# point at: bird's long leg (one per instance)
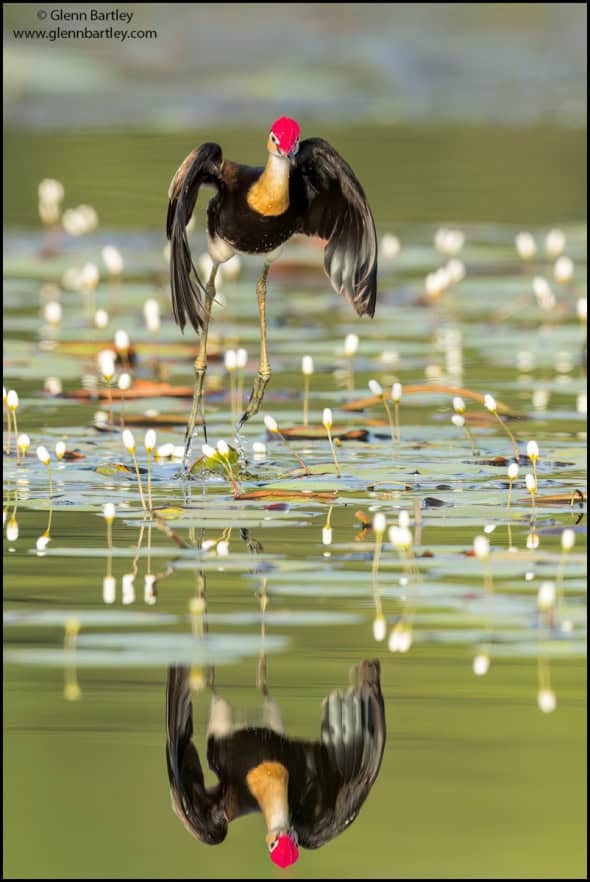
(264, 371)
(197, 417)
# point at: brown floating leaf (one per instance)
(363, 518)
(324, 496)
(575, 497)
(140, 389)
(155, 419)
(362, 403)
(73, 454)
(311, 433)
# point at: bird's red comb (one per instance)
(285, 851)
(287, 131)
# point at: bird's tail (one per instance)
(187, 288)
(201, 166)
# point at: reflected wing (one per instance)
(352, 744)
(339, 212)
(202, 166)
(200, 810)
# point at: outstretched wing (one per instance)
(339, 212)
(352, 744)
(202, 166)
(200, 810)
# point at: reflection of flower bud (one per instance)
(12, 530)
(546, 596)
(379, 627)
(307, 365)
(568, 539)
(113, 260)
(109, 587)
(351, 344)
(379, 523)
(327, 536)
(481, 547)
(481, 664)
(546, 700)
(554, 243)
(513, 471)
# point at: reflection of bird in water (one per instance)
(308, 791)
(304, 188)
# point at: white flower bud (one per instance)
(106, 364)
(60, 449)
(151, 314)
(530, 482)
(458, 420)
(351, 345)
(389, 246)
(150, 440)
(490, 403)
(124, 382)
(101, 319)
(208, 451)
(403, 518)
(379, 523)
(12, 400)
(375, 387)
(113, 260)
(53, 386)
(23, 442)
(456, 270)
(532, 541)
(568, 539)
(259, 448)
(513, 471)
(89, 276)
(582, 308)
(43, 455)
(563, 271)
(42, 543)
(271, 423)
(532, 450)
(554, 243)
(458, 404)
(53, 313)
(327, 418)
(327, 536)
(223, 448)
(222, 548)
(230, 360)
(165, 451)
(128, 440)
(108, 512)
(307, 365)
(396, 392)
(525, 246)
(121, 340)
(50, 190)
(241, 358)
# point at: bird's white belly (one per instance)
(220, 251)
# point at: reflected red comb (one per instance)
(287, 131)
(285, 852)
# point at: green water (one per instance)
(476, 782)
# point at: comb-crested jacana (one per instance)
(304, 188)
(308, 791)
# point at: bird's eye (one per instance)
(274, 138)
(273, 845)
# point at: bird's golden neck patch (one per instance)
(269, 785)
(270, 194)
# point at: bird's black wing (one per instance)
(352, 744)
(202, 166)
(337, 210)
(200, 810)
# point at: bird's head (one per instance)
(283, 139)
(283, 848)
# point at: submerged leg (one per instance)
(197, 417)
(263, 375)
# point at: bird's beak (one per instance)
(292, 156)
